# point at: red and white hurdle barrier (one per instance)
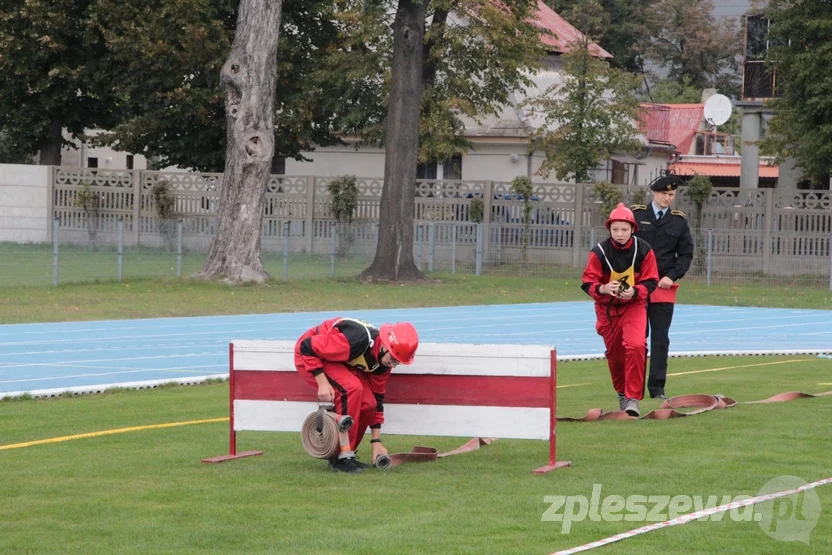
(495, 391)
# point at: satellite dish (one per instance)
(718, 109)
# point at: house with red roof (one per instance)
(694, 147)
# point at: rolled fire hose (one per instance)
(700, 403)
(319, 434)
(325, 444)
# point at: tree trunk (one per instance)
(248, 78)
(394, 252)
(50, 147)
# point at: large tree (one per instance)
(50, 57)
(248, 78)
(592, 113)
(692, 46)
(801, 54)
(165, 57)
(465, 59)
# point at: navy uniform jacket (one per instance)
(670, 239)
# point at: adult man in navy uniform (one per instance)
(668, 233)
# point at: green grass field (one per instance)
(148, 492)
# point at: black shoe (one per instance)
(348, 465)
(361, 464)
(658, 395)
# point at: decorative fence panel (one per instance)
(767, 230)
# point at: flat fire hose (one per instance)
(325, 444)
(699, 402)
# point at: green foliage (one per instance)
(165, 202)
(801, 53)
(698, 190)
(12, 152)
(610, 197)
(163, 199)
(334, 63)
(51, 58)
(639, 196)
(343, 197)
(343, 193)
(89, 201)
(675, 91)
(592, 113)
(623, 39)
(476, 210)
(522, 186)
(692, 46)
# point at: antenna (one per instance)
(718, 109)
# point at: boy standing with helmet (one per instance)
(349, 362)
(668, 233)
(619, 276)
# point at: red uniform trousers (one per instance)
(622, 327)
(353, 396)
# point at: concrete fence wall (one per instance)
(25, 203)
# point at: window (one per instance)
(450, 169)
(129, 161)
(278, 165)
(756, 38)
(620, 173)
(92, 162)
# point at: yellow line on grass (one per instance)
(742, 366)
(710, 370)
(109, 433)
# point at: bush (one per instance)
(609, 196)
(343, 193)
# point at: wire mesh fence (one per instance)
(103, 252)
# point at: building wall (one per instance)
(24, 203)
(108, 159)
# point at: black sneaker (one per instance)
(361, 464)
(658, 395)
(348, 465)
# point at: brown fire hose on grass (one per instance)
(321, 437)
(699, 402)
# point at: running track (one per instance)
(46, 359)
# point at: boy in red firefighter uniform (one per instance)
(349, 362)
(619, 276)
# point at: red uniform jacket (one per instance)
(352, 343)
(608, 261)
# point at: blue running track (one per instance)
(50, 358)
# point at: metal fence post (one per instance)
(286, 229)
(120, 248)
(453, 253)
(179, 247)
(591, 237)
(419, 247)
(830, 263)
(334, 241)
(56, 232)
(431, 245)
(478, 266)
(708, 257)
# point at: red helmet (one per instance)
(622, 214)
(400, 340)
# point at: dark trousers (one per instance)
(659, 317)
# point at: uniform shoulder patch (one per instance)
(638, 207)
(678, 213)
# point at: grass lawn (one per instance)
(185, 297)
(147, 491)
